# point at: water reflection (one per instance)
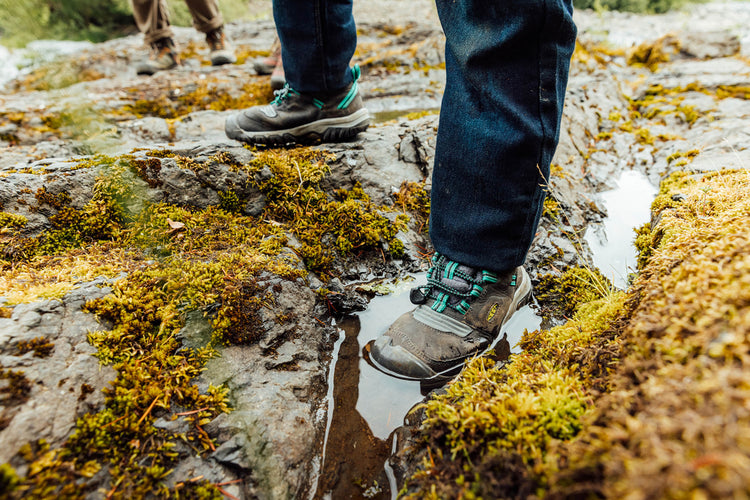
(369, 405)
(385, 399)
(611, 243)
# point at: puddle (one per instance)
(385, 116)
(368, 405)
(628, 207)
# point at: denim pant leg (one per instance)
(507, 67)
(318, 39)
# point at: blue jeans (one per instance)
(507, 67)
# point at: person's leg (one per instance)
(318, 39)
(320, 101)
(206, 15)
(507, 68)
(152, 19)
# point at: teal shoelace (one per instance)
(446, 295)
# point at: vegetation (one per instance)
(177, 259)
(646, 6)
(97, 20)
(641, 395)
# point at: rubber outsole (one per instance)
(311, 133)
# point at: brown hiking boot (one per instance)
(163, 56)
(459, 314)
(221, 51)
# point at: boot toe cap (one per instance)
(398, 361)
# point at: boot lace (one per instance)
(451, 284)
(282, 94)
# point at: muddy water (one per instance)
(367, 405)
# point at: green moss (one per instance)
(644, 244)
(230, 202)
(8, 478)
(59, 74)
(413, 199)
(212, 260)
(653, 436)
(599, 407)
(494, 427)
(345, 224)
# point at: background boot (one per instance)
(163, 56)
(221, 51)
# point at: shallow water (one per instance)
(628, 207)
(385, 116)
(369, 405)
(14, 62)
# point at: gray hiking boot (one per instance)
(298, 118)
(163, 57)
(221, 51)
(459, 315)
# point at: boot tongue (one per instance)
(452, 276)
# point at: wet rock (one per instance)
(64, 384)
(709, 44)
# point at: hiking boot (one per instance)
(163, 56)
(459, 314)
(278, 79)
(221, 51)
(266, 65)
(299, 118)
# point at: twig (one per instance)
(226, 494)
(114, 421)
(208, 438)
(228, 482)
(148, 410)
(191, 412)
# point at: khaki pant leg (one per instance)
(206, 15)
(152, 19)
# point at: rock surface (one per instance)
(692, 110)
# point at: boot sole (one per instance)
(326, 130)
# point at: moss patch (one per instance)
(642, 395)
(176, 260)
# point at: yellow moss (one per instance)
(60, 74)
(494, 426)
(651, 54)
(597, 53)
(654, 435)
(207, 95)
(562, 295)
(177, 259)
